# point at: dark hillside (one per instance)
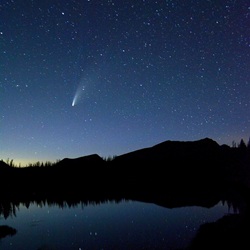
(201, 166)
(175, 163)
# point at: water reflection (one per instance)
(234, 201)
(113, 223)
(229, 231)
(109, 225)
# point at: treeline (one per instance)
(41, 164)
(35, 164)
(242, 144)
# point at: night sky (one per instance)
(80, 77)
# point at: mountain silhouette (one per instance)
(178, 162)
(170, 150)
(183, 166)
(92, 160)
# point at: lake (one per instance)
(109, 225)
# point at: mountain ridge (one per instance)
(167, 144)
(182, 166)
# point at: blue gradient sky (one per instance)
(144, 72)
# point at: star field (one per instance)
(143, 72)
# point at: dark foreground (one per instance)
(170, 174)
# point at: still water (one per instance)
(110, 225)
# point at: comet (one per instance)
(78, 94)
(74, 100)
